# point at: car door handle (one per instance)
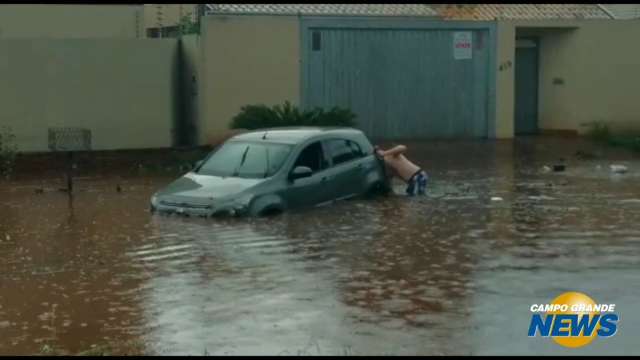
(326, 178)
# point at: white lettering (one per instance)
(588, 308)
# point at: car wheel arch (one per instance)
(270, 203)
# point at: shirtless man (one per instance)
(398, 165)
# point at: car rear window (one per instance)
(246, 160)
(342, 150)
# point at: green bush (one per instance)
(253, 117)
(334, 117)
(8, 151)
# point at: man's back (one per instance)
(401, 166)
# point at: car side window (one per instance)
(342, 151)
(312, 157)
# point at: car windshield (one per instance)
(246, 160)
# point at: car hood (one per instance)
(206, 187)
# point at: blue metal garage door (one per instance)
(401, 83)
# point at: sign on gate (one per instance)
(462, 45)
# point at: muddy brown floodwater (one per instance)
(451, 273)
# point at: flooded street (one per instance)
(451, 273)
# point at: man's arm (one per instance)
(397, 150)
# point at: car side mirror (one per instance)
(300, 172)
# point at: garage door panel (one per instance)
(401, 83)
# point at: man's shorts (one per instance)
(418, 183)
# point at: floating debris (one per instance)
(559, 167)
(618, 169)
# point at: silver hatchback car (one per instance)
(272, 170)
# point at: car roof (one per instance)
(293, 135)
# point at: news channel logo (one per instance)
(573, 320)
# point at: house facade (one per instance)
(407, 70)
(425, 71)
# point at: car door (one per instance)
(347, 168)
(309, 191)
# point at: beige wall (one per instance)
(121, 89)
(246, 60)
(71, 21)
(599, 64)
(156, 15)
(504, 80)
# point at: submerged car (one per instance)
(272, 170)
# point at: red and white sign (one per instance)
(462, 45)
